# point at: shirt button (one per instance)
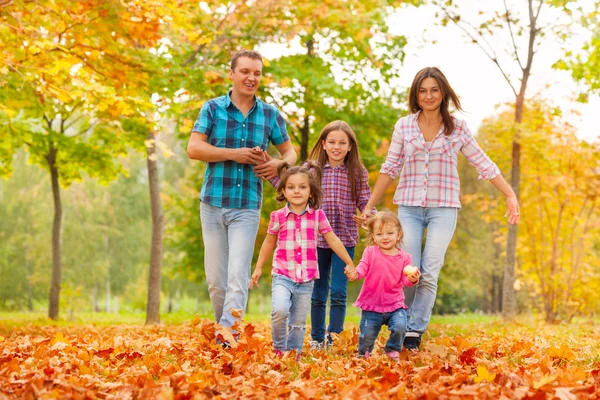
(238, 185)
(242, 140)
(243, 125)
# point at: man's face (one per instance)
(246, 76)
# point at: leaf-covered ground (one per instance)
(488, 361)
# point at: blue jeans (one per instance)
(229, 235)
(370, 325)
(291, 302)
(440, 223)
(329, 264)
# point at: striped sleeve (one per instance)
(395, 157)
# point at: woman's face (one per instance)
(430, 95)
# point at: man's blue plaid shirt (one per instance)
(229, 184)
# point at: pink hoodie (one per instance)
(384, 279)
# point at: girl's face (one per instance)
(297, 190)
(430, 95)
(386, 236)
(336, 145)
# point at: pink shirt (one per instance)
(384, 279)
(429, 171)
(296, 252)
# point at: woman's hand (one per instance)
(364, 217)
(513, 211)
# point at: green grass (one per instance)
(13, 319)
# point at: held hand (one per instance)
(350, 272)
(364, 217)
(268, 168)
(246, 155)
(255, 277)
(513, 211)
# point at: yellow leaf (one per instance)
(1, 338)
(546, 379)
(564, 352)
(483, 375)
(58, 338)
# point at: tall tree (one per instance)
(561, 190)
(525, 34)
(72, 71)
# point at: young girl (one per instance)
(294, 229)
(386, 270)
(345, 186)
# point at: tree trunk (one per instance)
(56, 228)
(153, 305)
(95, 296)
(509, 300)
(108, 294)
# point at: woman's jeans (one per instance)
(329, 264)
(229, 235)
(440, 223)
(370, 325)
(291, 302)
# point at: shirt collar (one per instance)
(287, 211)
(327, 165)
(228, 102)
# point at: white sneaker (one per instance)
(314, 345)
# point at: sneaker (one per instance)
(412, 341)
(315, 345)
(394, 355)
(278, 353)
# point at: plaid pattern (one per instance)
(296, 252)
(229, 184)
(338, 204)
(429, 171)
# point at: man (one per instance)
(231, 134)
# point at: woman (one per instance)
(424, 151)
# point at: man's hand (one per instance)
(245, 155)
(255, 277)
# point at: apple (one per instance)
(410, 270)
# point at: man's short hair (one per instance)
(255, 55)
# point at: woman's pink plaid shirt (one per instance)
(429, 171)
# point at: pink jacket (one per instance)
(384, 279)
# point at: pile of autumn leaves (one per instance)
(184, 362)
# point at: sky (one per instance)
(477, 80)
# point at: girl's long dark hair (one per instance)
(354, 164)
(447, 93)
(312, 170)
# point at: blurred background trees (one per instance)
(98, 101)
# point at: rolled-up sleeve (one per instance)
(395, 157)
(486, 168)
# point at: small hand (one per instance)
(267, 169)
(255, 277)
(351, 273)
(414, 278)
(513, 210)
(363, 218)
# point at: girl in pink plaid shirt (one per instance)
(294, 230)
